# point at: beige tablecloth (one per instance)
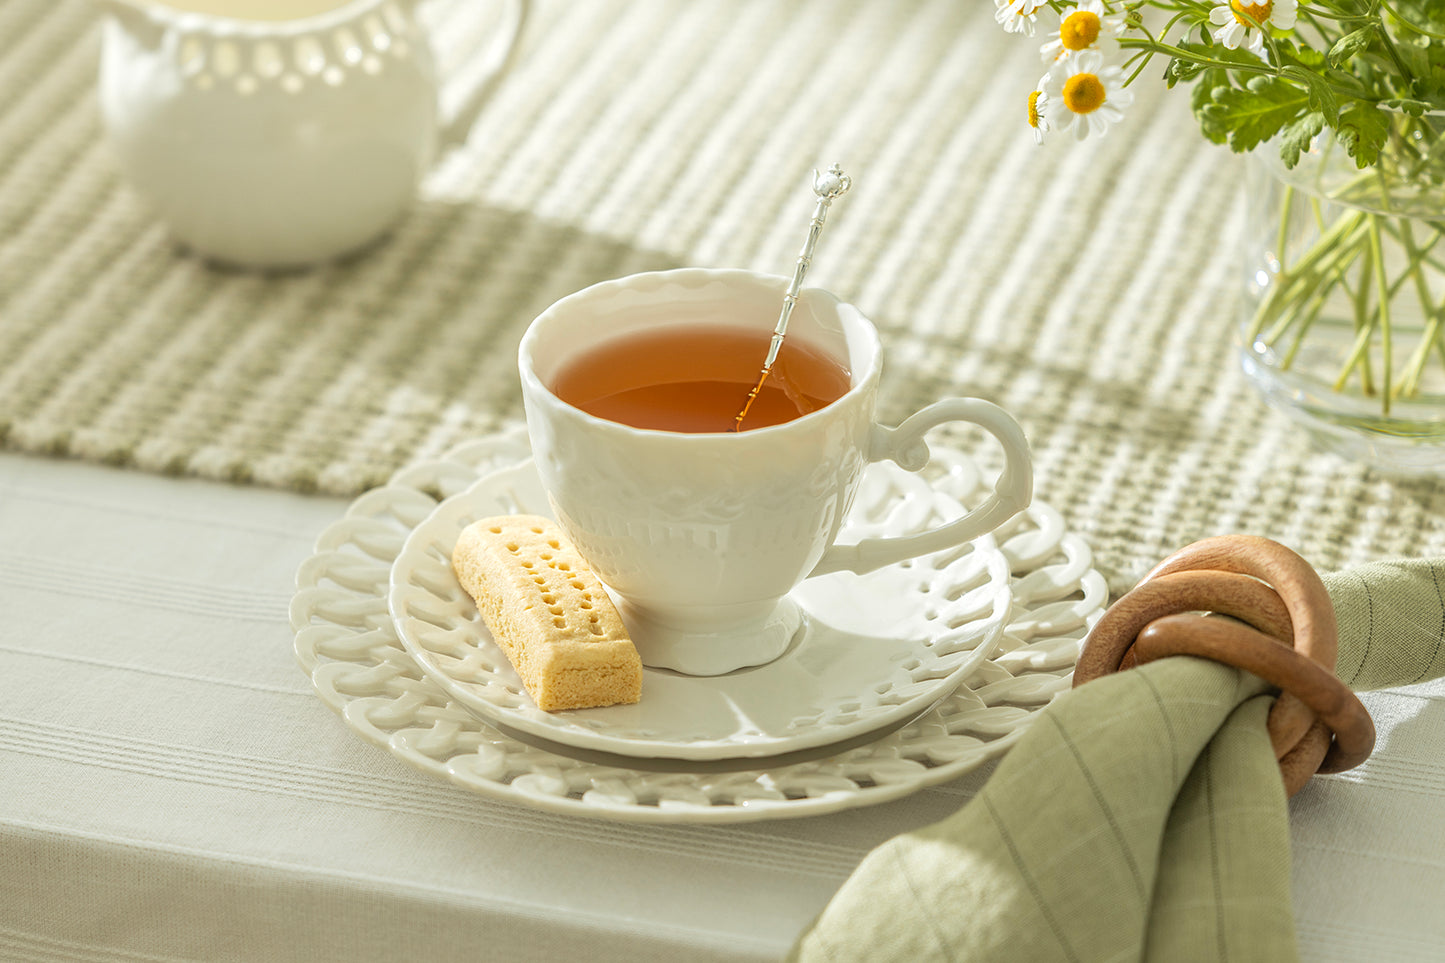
(1092, 289)
(169, 787)
(172, 790)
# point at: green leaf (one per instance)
(1415, 108)
(1362, 128)
(1296, 136)
(1305, 56)
(1420, 15)
(1415, 57)
(1203, 95)
(1350, 44)
(1322, 95)
(1250, 115)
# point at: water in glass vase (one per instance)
(1344, 325)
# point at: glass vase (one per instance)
(1344, 322)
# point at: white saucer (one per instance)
(347, 645)
(876, 650)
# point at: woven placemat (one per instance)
(1091, 289)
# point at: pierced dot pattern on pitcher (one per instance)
(247, 63)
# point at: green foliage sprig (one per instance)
(1279, 68)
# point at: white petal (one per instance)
(1088, 62)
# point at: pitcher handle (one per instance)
(139, 21)
(493, 67)
(905, 445)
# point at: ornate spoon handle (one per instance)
(829, 186)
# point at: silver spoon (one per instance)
(829, 186)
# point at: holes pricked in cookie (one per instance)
(534, 593)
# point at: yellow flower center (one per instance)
(1083, 93)
(1079, 30)
(1034, 108)
(1260, 12)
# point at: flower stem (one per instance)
(1415, 367)
(1382, 283)
(1333, 265)
(1312, 312)
(1410, 381)
(1299, 279)
(1282, 237)
(1364, 327)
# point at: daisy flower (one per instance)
(1017, 16)
(1039, 112)
(1236, 19)
(1085, 96)
(1086, 26)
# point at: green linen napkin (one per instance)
(1141, 816)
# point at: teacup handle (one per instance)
(456, 130)
(905, 446)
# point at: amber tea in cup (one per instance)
(694, 379)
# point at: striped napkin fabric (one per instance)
(1141, 817)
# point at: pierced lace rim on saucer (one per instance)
(345, 643)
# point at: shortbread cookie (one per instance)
(548, 612)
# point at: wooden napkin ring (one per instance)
(1221, 640)
(1289, 638)
(1109, 647)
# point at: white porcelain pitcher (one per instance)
(278, 133)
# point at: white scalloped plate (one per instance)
(875, 649)
(347, 644)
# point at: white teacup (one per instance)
(702, 536)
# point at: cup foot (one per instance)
(712, 650)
